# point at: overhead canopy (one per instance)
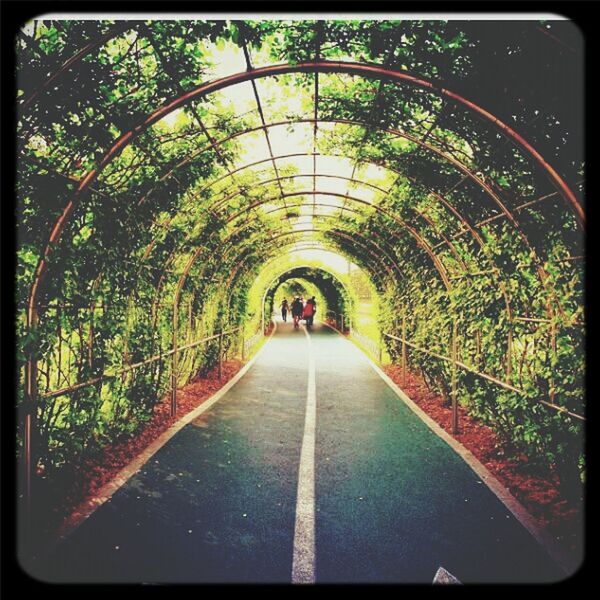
(163, 160)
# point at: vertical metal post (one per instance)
(509, 346)
(404, 365)
(262, 318)
(30, 419)
(243, 347)
(174, 361)
(342, 322)
(221, 354)
(454, 377)
(553, 348)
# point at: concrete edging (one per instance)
(88, 507)
(553, 549)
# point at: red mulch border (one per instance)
(98, 471)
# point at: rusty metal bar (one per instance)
(174, 365)
(509, 347)
(259, 105)
(220, 355)
(137, 365)
(503, 216)
(30, 417)
(404, 349)
(485, 376)
(454, 376)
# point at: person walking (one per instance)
(284, 310)
(297, 309)
(310, 308)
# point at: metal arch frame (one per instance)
(366, 203)
(469, 228)
(196, 254)
(378, 273)
(118, 29)
(307, 266)
(468, 173)
(446, 204)
(506, 213)
(300, 121)
(420, 241)
(321, 245)
(377, 208)
(455, 162)
(377, 258)
(194, 257)
(361, 69)
(485, 187)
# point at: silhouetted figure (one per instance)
(297, 309)
(284, 309)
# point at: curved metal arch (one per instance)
(427, 219)
(468, 173)
(376, 71)
(446, 204)
(542, 276)
(198, 251)
(376, 257)
(379, 271)
(437, 264)
(116, 30)
(437, 195)
(191, 260)
(420, 241)
(364, 69)
(485, 187)
(321, 245)
(307, 266)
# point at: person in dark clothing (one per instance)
(297, 309)
(284, 309)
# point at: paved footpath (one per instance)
(309, 469)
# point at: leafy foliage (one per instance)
(451, 222)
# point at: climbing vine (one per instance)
(452, 219)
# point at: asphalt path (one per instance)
(309, 469)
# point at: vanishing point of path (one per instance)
(310, 468)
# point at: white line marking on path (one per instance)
(303, 564)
